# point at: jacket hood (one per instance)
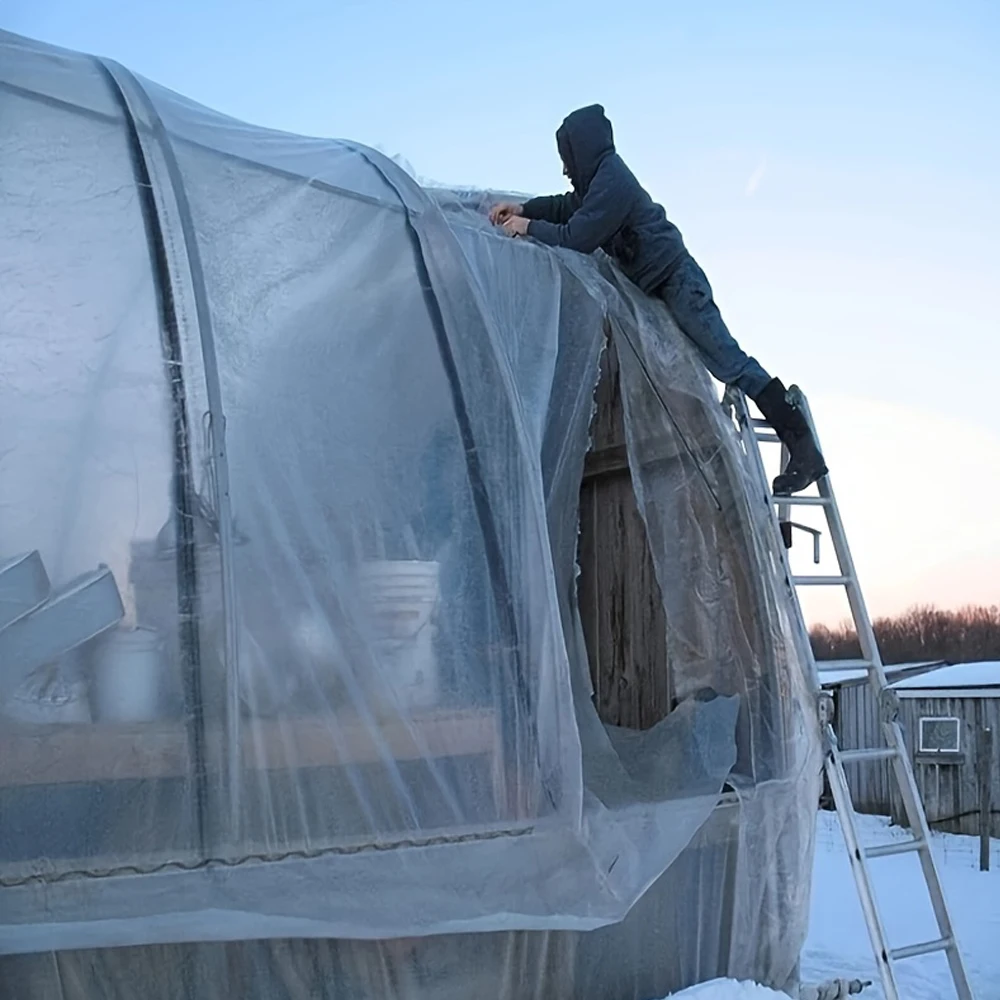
(584, 139)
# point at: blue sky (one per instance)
(834, 168)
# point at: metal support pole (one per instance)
(984, 768)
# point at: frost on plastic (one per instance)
(293, 682)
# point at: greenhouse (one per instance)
(304, 588)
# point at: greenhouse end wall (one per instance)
(293, 683)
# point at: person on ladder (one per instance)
(608, 208)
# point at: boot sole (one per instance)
(810, 480)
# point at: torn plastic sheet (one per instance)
(327, 430)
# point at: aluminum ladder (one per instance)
(753, 433)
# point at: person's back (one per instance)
(645, 244)
(609, 209)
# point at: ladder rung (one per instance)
(898, 847)
(795, 500)
(821, 581)
(824, 665)
(927, 948)
(766, 438)
(867, 753)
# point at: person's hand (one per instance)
(499, 214)
(516, 225)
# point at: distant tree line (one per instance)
(922, 633)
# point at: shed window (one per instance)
(939, 735)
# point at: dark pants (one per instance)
(688, 296)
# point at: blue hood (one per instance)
(607, 208)
(584, 139)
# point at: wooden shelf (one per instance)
(61, 754)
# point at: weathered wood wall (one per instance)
(949, 789)
(857, 725)
(620, 602)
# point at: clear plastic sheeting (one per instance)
(289, 481)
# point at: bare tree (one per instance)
(921, 633)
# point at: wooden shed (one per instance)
(943, 710)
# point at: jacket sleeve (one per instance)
(555, 208)
(600, 215)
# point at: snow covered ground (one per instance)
(838, 942)
(838, 945)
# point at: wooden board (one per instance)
(620, 603)
(41, 755)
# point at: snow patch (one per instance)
(728, 989)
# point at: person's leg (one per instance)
(805, 462)
(688, 296)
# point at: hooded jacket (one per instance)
(607, 207)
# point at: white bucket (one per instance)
(128, 677)
(401, 598)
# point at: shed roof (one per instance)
(895, 672)
(958, 675)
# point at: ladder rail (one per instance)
(753, 432)
(859, 865)
(905, 778)
(859, 610)
(920, 828)
(749, 436)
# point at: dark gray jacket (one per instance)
(607, 207)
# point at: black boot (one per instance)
(805, 464)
